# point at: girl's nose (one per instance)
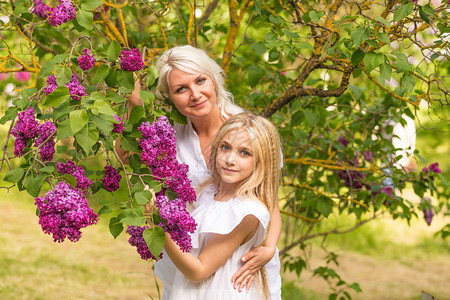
(230, 158)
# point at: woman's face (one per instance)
(235, 157)
(194, 95)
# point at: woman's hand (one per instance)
(254, 260)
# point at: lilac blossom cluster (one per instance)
(86, 61)
(111, 179)
(158, 145)
(131, 60)
(427, 210)
(83, 183)
(76, 90)
(63, 13)
(41, 9)
(118, 128)
(63, 211)
(26, 128)
(137, 240)
(434, 168)
(178, 221)
(45, 131)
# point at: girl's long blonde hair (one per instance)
(263, 183)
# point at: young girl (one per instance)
(233, 211)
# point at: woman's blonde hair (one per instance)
(263, 183)
(193, 60)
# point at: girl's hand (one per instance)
(150, 208)
(254, 260)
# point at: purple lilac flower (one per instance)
(86, 61)
(44, 132)
(388, 191)
(111, 180)
(118, 128)
(76, 90)
(352, 178)
(435, 168)
(341, 139)
(51, 84)
(19, 145)
(63, 13)
(178, 221)
(427, 211)
(63, 211)
(25, 129)
(368, 155)
(137, 240)
(83, 183)
(158, 145)
(41, 9)
(131, 60)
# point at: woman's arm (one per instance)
(216, 252)
(134, 99)
(259, 256)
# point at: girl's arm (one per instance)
(259, 256)
(134, 99)
(216, 252)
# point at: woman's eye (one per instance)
(201, 80)
(180, 90)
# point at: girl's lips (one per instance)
(229, 170)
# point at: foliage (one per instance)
(334, 76)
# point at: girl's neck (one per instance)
(208, 126)
(226, 192)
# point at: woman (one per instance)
(195, 84)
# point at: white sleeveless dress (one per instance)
(215, 217)
(189, 152)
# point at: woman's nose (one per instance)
(195, 93)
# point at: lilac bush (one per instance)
(118, 128)
(83, 183)
(111, 179)
(131, 60)
(86, 61)
(76, 89)
(63, 13)
(25, 129)
(45, 131)
(137, 240)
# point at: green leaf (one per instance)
(64, 130)
(78, 119)
(143, 197)
(59, 96)
(115, 97)
(129, 144)
(85, 19)
(379, 198)
(136, 114)
(315, 16)
(104, 210)
(113, 51)
(324, 206)
(100, 74)
(255, 73)
(111, 78)
(402, 64)
(419, 188)
(62, 110)
(132, 216)
(100, 106)
(154, 185)
(357, 57)
(14, 175)
(386, 71)
(147, 97)
(312, 117)
(152, 75)
(126, 79)
(305, 45)
(154, 238)
(360, 35)
(87, 137)
(373, 60)
(259, 48)
(408, 81)
(47, 169)
(423, 15)
(177, 116)
(115, 227)
(105, 126)
(90, 5)
(402, 12)
(33, 186)
(48, 68)
(63, 75)
(10, 114)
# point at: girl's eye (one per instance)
(224, 147)
(245, 153)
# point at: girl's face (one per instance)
(235, 157)
(194, 95)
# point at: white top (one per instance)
(215, 217)
(189, 152)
